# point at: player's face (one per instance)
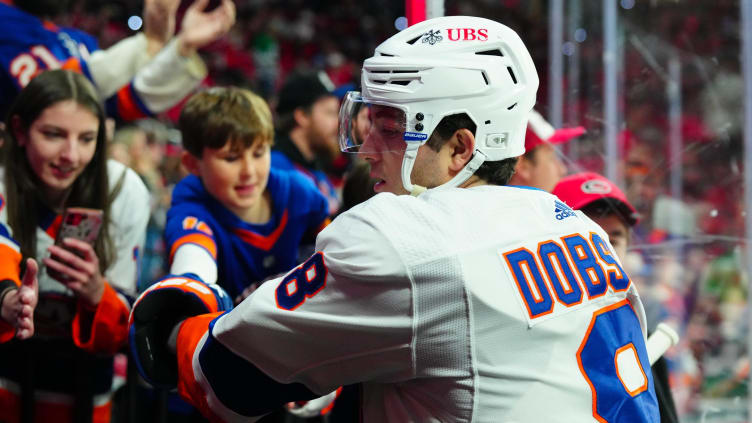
(617, 230)
(236, 176)
(59, 145)
(324, 123)
(384, 147)
(546, 169)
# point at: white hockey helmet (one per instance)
(444, 66)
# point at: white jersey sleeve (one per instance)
(341, 317)
(130, 215)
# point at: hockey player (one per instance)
(465, 301)
(140, 76)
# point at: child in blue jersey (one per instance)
(235, 221)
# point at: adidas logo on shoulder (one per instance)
(562, 210)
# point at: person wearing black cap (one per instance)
(307, 123)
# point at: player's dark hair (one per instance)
(213, 117)
(495, 173)
(23, 188)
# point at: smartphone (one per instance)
(79, 223)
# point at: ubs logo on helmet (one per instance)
(432, 37)
(467, 34)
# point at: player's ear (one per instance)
(190, 162)
(463, 145)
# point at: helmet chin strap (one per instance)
(408, 161)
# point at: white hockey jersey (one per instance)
(485, 304)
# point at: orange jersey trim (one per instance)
(54, 227)
(582, 347)
(189, 335)
(200, 239)
(109, 327)
(259, 241)
(127, 106)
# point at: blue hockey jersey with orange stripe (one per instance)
(29, 45)
(243, 253)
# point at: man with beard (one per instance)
(140, 76)
(306, 138)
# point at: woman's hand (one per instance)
(18, 305)
(78, 265)
(200, 27)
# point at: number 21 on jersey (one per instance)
(563, 275)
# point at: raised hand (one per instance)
(80, 270)
(159, 22)
(18, 305)
(200, 27)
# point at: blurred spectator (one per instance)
(306, 138)
(140, 76)
(540, 167)
(606, 205)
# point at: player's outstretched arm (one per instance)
(157, 311)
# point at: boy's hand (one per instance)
(79, 266)
(200, 28)
(18, 305)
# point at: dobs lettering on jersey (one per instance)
(561, 275)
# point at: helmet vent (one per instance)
(511, 73)
(488, 122)
(402, 82)
(411, 42)
(495, 52)
(386, 55)
(485, 77)
(512, 106)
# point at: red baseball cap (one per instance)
(581, 189)
(540, 131)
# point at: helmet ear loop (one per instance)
(470, 168)
(408, 161)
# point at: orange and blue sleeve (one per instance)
(215, 379)
(126, 105)
(105, 328)
(190, 229)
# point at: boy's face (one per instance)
(236, 176)
(617, 230)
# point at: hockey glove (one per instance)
(156, 312)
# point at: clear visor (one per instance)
(366, 127)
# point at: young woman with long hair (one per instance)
(54, 158)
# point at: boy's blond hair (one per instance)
(213, 117)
